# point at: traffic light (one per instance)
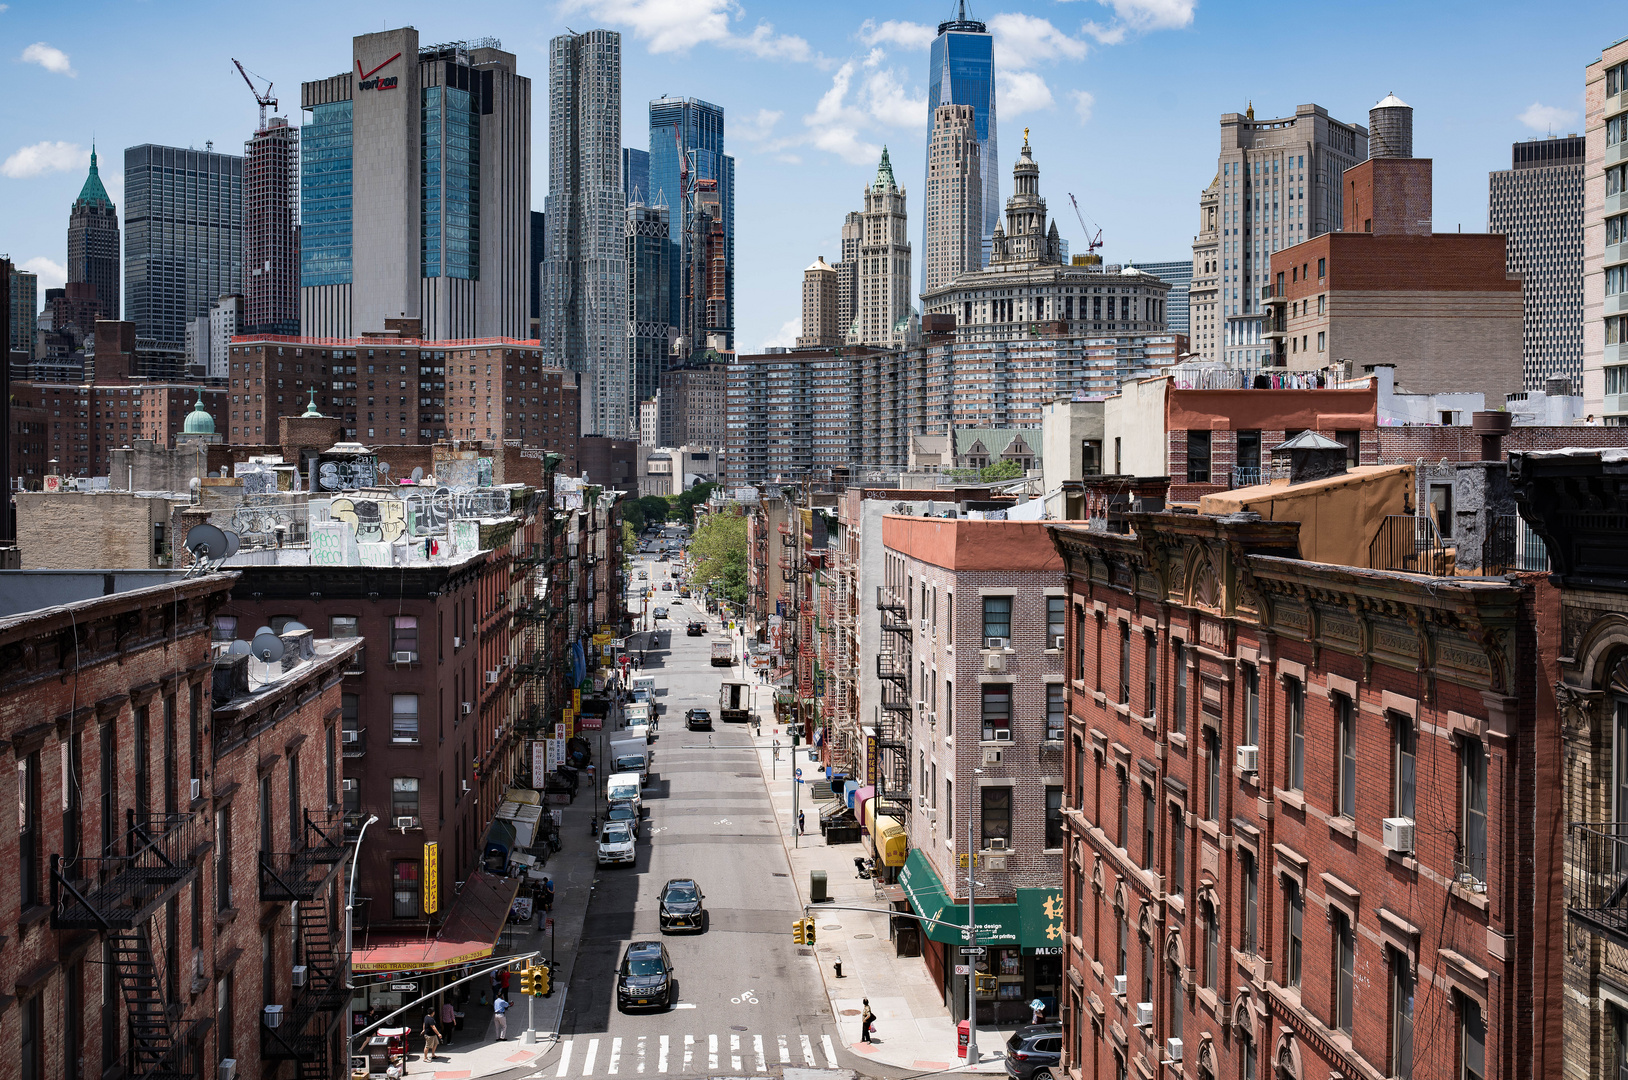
(986, 984)
(810, 931)
(526, 984)
(542, 980)
(798, 933)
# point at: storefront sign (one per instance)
(873, 760)
(432, 878)
(542, 763)
(576, 700)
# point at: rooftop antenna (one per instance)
(207, 544)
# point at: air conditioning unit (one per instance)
(457, 642)
(406, 823)
(995, 661)
(1057, 641)
(1003, 734)
(1249, 758)
(197, 789)
(468, 708)
(1119, 986)
(1172, 1051)
(350, 736)
(1144, 1014)
(924, 624)
(1397, 834)
(299, 974)
(997, 643)
(921, 706)
(228, 1069)
(491, 677)
(404, 657)
(995, 862)
(349, 784)
(932, 719)
(992, 757)
(932, 813)
(465, 784)
(997, 843)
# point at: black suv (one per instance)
(645, 978)
(1034, 1051)
(696, 629)
(681, 906)
(698, 720)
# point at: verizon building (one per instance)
(415, 191)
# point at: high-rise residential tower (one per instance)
(183, 237)
(24, 303)
(961, 71)
(1605, 237)
(271, 231)
(585, 306)
(954, 208)
(847, 269)
(1280, 186)
(649, 270)
(1180, 276)
(415, 191)
(93, 242)
(686, 153)
(1537, 203)
(820, 327)
(882, 314)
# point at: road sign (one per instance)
(404, 987)
(963, 969)
(972, 950)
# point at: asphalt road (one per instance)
(751, 1001)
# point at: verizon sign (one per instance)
(372, 80)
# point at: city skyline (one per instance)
(813, 95)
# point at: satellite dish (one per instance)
(238, 648)
(418, 473)
(267, 647)
(233, 542)
(206, 542)
(384, 468)
(294, 626)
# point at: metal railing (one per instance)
(1511, 546)
(1597, 877)
(120, 891)
(1250, 475)
(1408, 543)
(300, 875)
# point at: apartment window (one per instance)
(1124, 946)
(404, 634)
(1178, 711)
(1079, 777)
(1345, 966)
(1473, 782)
(1401, 990)
(1056, 711)
(404, 797)
(1294, 696)
(141, 750)
(1472, 1028)
(1249, 451)
(265, 814)
(223, 858)
(1198, 456)
(1345, 758)
(998, 617)
(995, 819)
(31, 1037)
(224, 628)
(997, 712)
(1079, 646)
(1403, 765)
(1322, 341)
(1212, 768)
(1251, 893)
(1150, 675)
(1147, 971)
(404, 888)
(1150, 828)
(1178, 851)
(1124, 836)
(1056, 834)
(1212, 948)
(1056, 609)
(949, 809)
(343, 626)
(404, 718)
(1294, 903)
(1246, 1058)
(1252, 705)
(28, 830)
(1124, 663)
(1322, 267)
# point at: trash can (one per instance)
(816, 887)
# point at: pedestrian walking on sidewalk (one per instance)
(866, 1020)
(800, 829)
(449, 1020)
(432, 1036)
(500, 1007)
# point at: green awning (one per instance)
(1034, 921)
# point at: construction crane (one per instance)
(1091, 243)
(264, 99)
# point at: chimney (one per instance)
(1311, 457)
(1492, 427)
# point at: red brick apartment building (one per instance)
(1312, 825)
(174, 859)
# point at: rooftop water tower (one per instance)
(1390, 129)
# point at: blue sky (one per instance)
(1121, 97)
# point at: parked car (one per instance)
(681, 907)
(616, 844)
(1033, 1051)
(645, 977)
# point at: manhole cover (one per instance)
(863, 937)
(831, 926)
(850, 1012)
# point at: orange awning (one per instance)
(469, 933)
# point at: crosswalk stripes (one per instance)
(741, 1054)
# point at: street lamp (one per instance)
(350, 907)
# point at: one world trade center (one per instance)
(963, 73)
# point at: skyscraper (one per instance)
(882, 313)
(1180, 276)
(415, 198)
(649, 275)
(687, 151)
(1605, 237)
(636, 177)
(24, 305)
(271, 232)
(962, 72)
(953, 207)
(1537, 203)
(93, 242)
(848, 272)
(820, 329)
(585, 308)
(184, 237)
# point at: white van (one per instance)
(624, 788)
(643, 682)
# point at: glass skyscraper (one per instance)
(962, 72)
(691, 131)
(325, 202)
(636, 176)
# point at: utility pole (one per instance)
(972, 961)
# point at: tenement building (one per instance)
(1537, 204)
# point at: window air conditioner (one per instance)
(406, 823)
(932, 719)
(491, 677)
(197, 789)
(1003, 734)
(350, 736)
(465, 784)
(1119, 986)
(1397, 835)
(457, 642)
(1057, 641)
(299, 974)
(468, 708)
(1249, 758)
(1144, 1014)
(349, 784)
(1172, 1051)
(921, 706)
(404, 657)
(923, 624)
(997, 643)
(932, 813)
(228, 1069)
(997, 843)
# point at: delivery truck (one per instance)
(735, 701)
(631, 755)
(723, 652)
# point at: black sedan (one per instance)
(698, 720)
(645, 978)
(681, 906)
(695, 629)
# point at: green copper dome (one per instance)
(93, 192)
(311, 409)
(884, 172)
(199, 422)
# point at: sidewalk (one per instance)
(913, 1027)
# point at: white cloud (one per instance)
(1140, 17)
(786, 336)
(1021, 91)
(1546, 118)
(1084, 101)
(834, 125)
(53, 275)
(680, 25)
(756, 127)
(890, 103)
(875, 57)
(48, 57)
(1020, 40)
(906, 35)
(45, 157)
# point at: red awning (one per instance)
(470, 931)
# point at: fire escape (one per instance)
(792, 631)
(117, 895)
(306, 1031)
(893, 725)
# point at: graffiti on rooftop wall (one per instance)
(417, 513)
(345, 474)
(374, 520)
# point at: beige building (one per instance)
(882, 310)
(954, 203)
(74, 530)
(1203, 307)
(1605, 237)
(820, 327)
